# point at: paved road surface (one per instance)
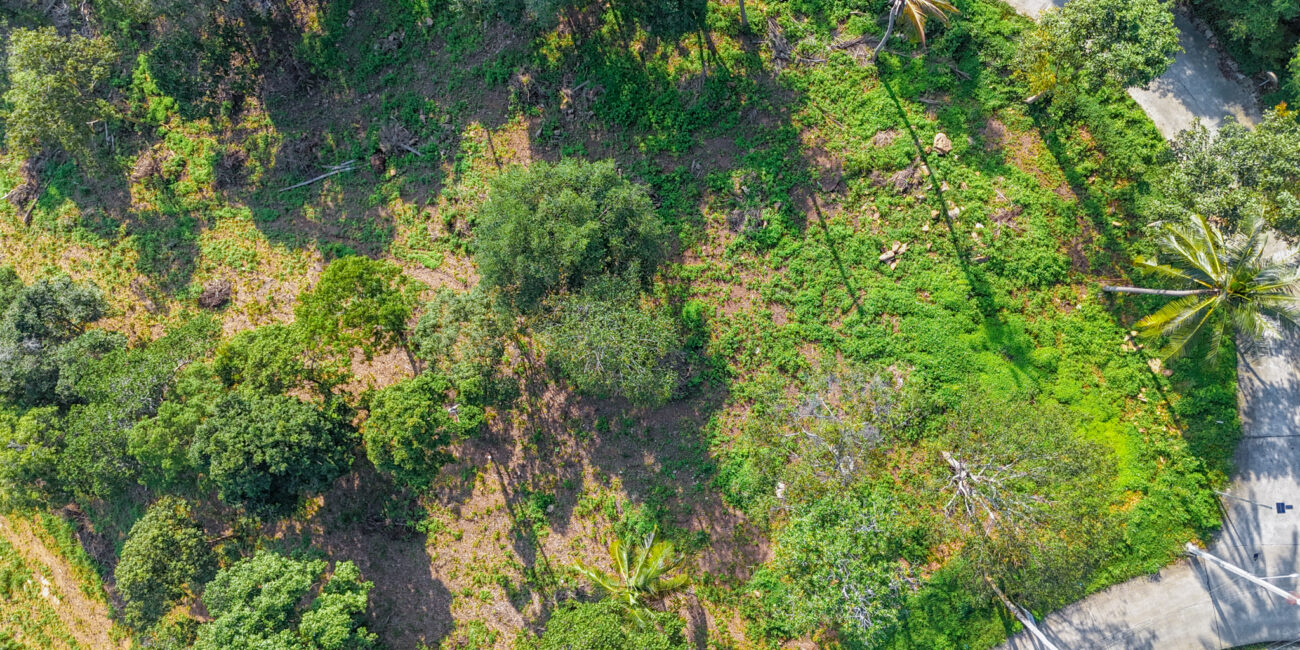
(1193, 87)
(1192, 604)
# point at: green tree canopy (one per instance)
(834, 565)
(165, 555)
(266, 451)
(1226, 283)
(605, 341)
(54, 87)
(359, 302)
(1239, 171)
(548, 227)
(30, 447)
(268, 601)
(276, 359)
(37, 321)
(608, 626)
(410, 425)
(1090, 44)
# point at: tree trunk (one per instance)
(1159, 292)
(744, 19)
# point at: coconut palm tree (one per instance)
(640, 574)
(1228, 282)
(914, 13)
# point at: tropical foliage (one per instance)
(640, 574)
(1235, 282)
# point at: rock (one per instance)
(954, 213)
(925, 228)
(215, 294)
(886, 256)
(942, 145)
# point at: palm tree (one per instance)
(1229, 282)
(640, 574)
(914, 14)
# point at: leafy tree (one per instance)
(834, 566)
(160, 444)
(53, 92)
(410, 425)
(607, 343)
(640, 577)
(113, 393)
(1090, 44)
(1238, 171)
(1228, 282)
(549, 227)
(277, 359)
(10, 286)
(165, 555)
(259, 603)
(1261, 34)
(266, 451)
(359, 302)
(462, 335)
(38, 320)
(30, 447)
(606, 625)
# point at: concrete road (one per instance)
(1193, 87)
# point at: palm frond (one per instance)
(915, 13)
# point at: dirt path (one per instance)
(1193, 604)
(87, 620)
(1194, 87)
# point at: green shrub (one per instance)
(410, 425)
(609, 344)
(549, 227)
(266, 601)
(607, 626)
(266, 452)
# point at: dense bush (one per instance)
(164, 556)
(277, 359)
(266, 452)
(1260, 34)
(605, 341)
(267, 601)
(547, 227)
(835, 565)
(410, 425)
(607, 626)
(38, 320)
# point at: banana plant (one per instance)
(639, 577)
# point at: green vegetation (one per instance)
(608, 344)
(641, 575)
(165, 556)
(265, 452)
(270, 600)
(545, 228)
(1090, 44)
(382, 312)
(411, 423)
(1232, 285)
